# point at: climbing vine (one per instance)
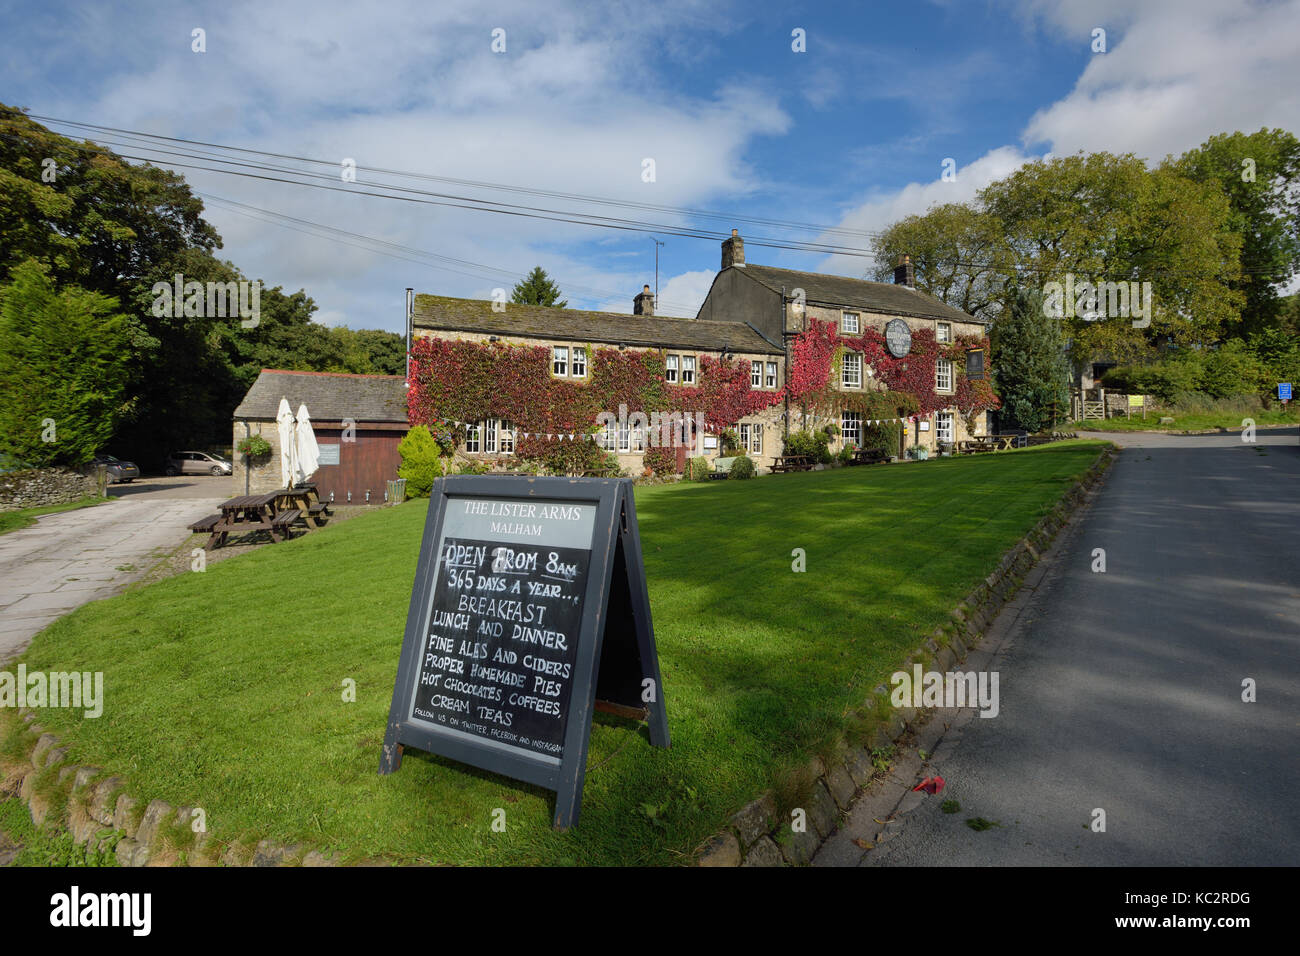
(471, 381)
(909, 382)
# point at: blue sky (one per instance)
(851, 133)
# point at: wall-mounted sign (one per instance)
(898, 338)
(529, 611)
(329, 454)
(975, 365)
(925, 426)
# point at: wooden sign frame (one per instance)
(616, 653)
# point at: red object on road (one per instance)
(930, 785)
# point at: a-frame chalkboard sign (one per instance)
(529, 611)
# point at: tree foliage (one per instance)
(99, 224)
(1259, 173)
(537, 289)
(64, 360)
(1030, 370)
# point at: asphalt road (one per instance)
(1122, 690)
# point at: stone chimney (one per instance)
(644, 304)
(733, 251)
(904, 274)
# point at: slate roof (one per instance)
(575, 325)
(857, 293)
(329, 396)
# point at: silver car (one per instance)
(197, 463)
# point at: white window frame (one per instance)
(854, 419)
(472, 436)
(578, 368)
(671, 363)
(943, 375)
(751, 437)
(755, 374)
(506, 437)
(853, 327)
(624, 436)
(688, 369)
(607, 438)
(943, 427)
(943, 332)
(638, 439)
(846, 380)
(771, 375)
(490, 437)
(560, 361)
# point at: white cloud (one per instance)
(1173, 75)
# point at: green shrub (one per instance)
(845, 454)
(814, 444)
(422, 461)
(742, 467)
(698, 469)
(883, 437)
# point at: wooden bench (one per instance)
(320, 508)
(721, 467)
(869, 456)
(282, 521)
(205, 525)
(793, 463)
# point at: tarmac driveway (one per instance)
(68, 559)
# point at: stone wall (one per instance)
(264, 473)
(95, 808)
(44, 486)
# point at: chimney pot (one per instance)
(644, 303)
(905, 274)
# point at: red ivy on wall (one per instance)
(814, 352)
(471, 381)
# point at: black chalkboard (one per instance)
(529, 611)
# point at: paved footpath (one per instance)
(73, 557)
(1123, 690)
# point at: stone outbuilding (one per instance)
(358, 420)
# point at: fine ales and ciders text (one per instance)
(498, 643)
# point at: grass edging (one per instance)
(761, 832)
(101, 816)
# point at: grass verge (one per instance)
(224, 689)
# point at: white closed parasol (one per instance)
(288, 443)
(307, 459)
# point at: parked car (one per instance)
(197, 463)
(118, 470)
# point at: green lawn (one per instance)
(1190, 422)
(25, 518)
(224, 688)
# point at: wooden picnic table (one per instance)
(247, 513)
(974, 445)
(1008, 441)
(306, 500)
(793, 463)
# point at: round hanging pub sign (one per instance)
(898, 338)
